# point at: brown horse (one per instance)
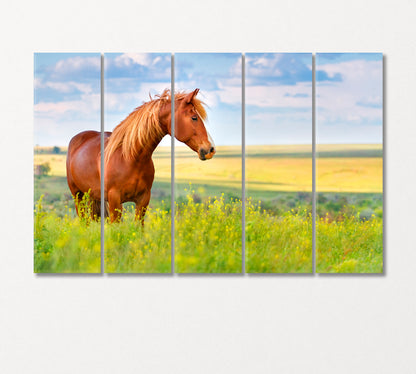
(129, 170)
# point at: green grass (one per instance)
(351, 245)
(208, 241)
(133, 247)
(208, 236)
(63, 244)
(278, 244)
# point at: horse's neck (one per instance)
(153, 144)
(146, 152)
(164, 118)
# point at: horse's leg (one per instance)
(114, 205)
(78, 198)
(76, 193)
(141, 205)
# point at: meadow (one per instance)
(349, 226)
(278, 214)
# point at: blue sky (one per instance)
(278, 98)
(278, 94)
(349, 97)
(129, 78)
(218, 76)
(66, 96)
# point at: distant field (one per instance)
(349, 150)
(349, 168)
(340, 168)
(224, 169)
(279, 176)
(350, 175)
(286, 168)
(50, 150)
(56, 162)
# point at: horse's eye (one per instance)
(194, 118)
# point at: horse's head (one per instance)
(190, 127)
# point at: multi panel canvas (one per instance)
(202, 163)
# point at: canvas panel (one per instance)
(349, 100)
(139, 241)
(66, 103)
(208, 215)
(278, 162)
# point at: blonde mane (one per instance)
(141, 127)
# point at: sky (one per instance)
(278, 94)
(218, 76)
(66, 96)
(349, 98)
(129, 79)
(278, 98)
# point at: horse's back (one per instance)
(83, 163)
(80, 139)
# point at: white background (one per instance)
(206, 324)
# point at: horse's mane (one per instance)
(141, 127)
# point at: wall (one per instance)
(217, 324)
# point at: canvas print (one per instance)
(349, 102)
(120, 177)
(208, 163)
(137, 162)
(278, 162)
(67, 231)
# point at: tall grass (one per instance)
(349, 245)
(64, 244)
(208, 239)
(278, 244)
(208, 236)
(133, 247)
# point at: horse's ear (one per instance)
(190, 96)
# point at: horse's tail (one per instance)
(96, 209)
(106, 210)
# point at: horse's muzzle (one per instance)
(206, 154)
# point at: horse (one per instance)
(128, 166)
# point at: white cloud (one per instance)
(127, 101)
(210, 98)
(264, 66)
(156, 60)
(85, 106)
(226, 94)
(274, 117)
(50, 132)
(64, 87)
(282, 96)
(230, 94)
(357, 99)
(37, 83)
(279, 128)
(74, 64)
(129, 59)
